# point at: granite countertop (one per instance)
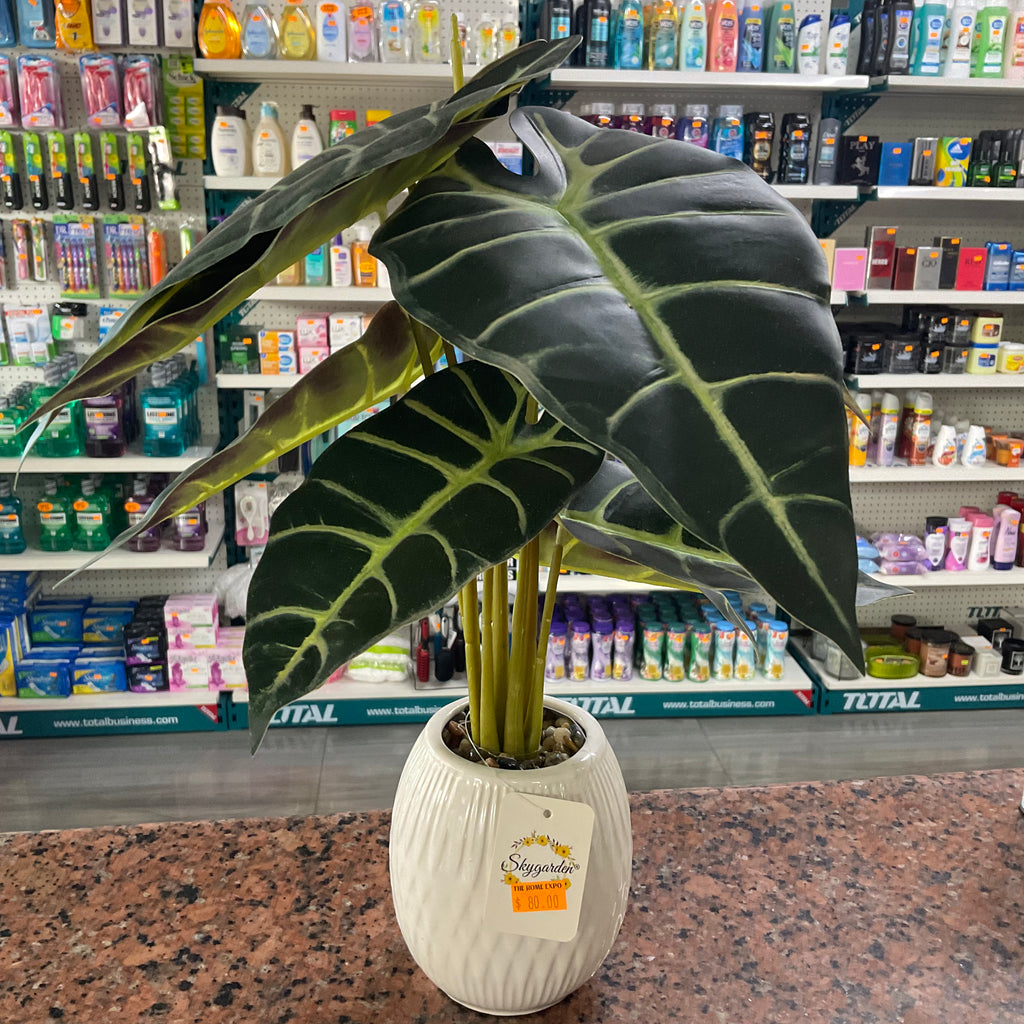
(891, 900)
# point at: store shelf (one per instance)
(238, 381)
(66, 561)
(324, 71)
(352, 703)
(835, 192)
(247, 183)
(110, 713)
(902, 473)
(936, 381)
(937, 296)
(584, 78)
(334, 296)
(133, 462)
(942, 578)
(932, 194)
(925, 84)
(838, 298)
(582, 583)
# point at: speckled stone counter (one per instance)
(892, 900)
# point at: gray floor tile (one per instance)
(362, 765)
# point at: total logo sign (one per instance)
(883, 700)
(305, 714)
(9, 727)
(603, 707)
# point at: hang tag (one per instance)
(539, 866)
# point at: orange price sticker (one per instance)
(529, 897)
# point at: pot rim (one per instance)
(595, 746)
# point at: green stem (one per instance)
(499, 640)
(449, 353)
(536, 709)
(524, 623)
(469, 613)
(458, 78)
(488, 723)
(425, 340)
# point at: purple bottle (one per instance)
(631, 118)
(603, 639)
(105, 436)
(190, 529)
(137, 506)
(600, 114)
(661, 121)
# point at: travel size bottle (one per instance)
(508, 29)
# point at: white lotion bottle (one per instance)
(306, 140)
(269, 149)
(230, 143)
(960, 38)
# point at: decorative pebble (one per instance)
(504, 761)
(560, 739)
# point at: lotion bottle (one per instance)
(306, 140)
(269, 149)
(331, 42)
(230, 143)
(1004, 543)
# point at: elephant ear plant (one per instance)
(653, 390)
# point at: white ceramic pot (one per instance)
(441, 861)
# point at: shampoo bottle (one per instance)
(230, 143)
(331, 41)
(12, 533)
(727, 132)
(693, 36)
(838, 46)
(597, 18)
(269, 150)
(901, 22)
(957, 63)
(809, 45)
(781, 38)
(751, 35)
(218, 35)
(629, 35)
(296, 37)
(259, 33)
(1013, 52)
(926, 39)
(693, 125)
(990, 30)
(722, 38)
(663, 38)
(306, 140)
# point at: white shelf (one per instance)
(110, 701)
(65, 561)
(818, 191)
(246, 183)
(351, 296)
(133, 462)
(583, 78)
(935, 381)
(931, 193)
(921, 84)
(586, 584)
(838, 298)
(330, 71)
(238, 381)
(940, 296)
(990, 473)
(943, 578)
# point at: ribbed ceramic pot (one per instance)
(441, 859)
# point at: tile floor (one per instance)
(67, 783)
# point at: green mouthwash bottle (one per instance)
(92, 517)
(12, 536)
(56, 518)
(65, 436)
(11, 418)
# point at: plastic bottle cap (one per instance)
(268, 110)
(307, 112)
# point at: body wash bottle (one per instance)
(961, 39)
(259, 33)
(926, 38)
(629, 35)
(269, 152)
(751, 35)
(989, 40)
(1013, 52)
(693, 36)
(663, 38)
(296, 37)
(722, 38)
(781, 38)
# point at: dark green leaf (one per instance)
(397, 515)
(665, 303)
(316, 201)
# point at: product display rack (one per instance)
(944, 578)
(351, 296)
(936, 381)
(933, 194)
(132, 462)
(998, 476)
(589, 78)
(936, 297)
(107, 714)
(330, 72)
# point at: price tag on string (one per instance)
(538, 866)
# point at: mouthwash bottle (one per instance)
(92, 517)
(64, 436)
(56, 518)
(12, 536)
(11, 418)
(190, 529)
(137, 506)
(104, 419)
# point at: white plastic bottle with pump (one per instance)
(306, 140)
(960, 38)
(269, 149)
(230, 144)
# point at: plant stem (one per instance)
(458, 78)
(449, 353)
(469, 613)
(499, 639)
(425, 339)
(536, 708)
(524, 625)
(488, 723)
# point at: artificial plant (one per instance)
(654, 386)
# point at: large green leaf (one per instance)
(665, 303)
(397, 515)
(298, 213)
(383, 362)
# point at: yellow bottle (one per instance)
(364, 266)
(297, 38)
(219, 35)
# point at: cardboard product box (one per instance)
(851, 270)
(881, 243)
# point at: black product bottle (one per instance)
(555, 20)
(883, 23)
(868, 26)
(596, 32)
(795, 150)
(758, 136)
(983, 153)
(828, 149)
(901, 20)
(1006, 171)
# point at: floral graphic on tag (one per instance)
(539, 858)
